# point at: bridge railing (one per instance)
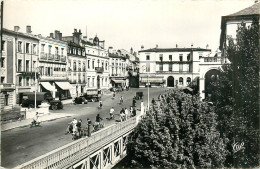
(82, 148)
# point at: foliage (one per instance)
(237, 95)
(179, 131)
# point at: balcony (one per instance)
(161, 71)
(99, 69)
(50, 56)
(54, 77)
(7, 86)
(63, 58)
(212, 59)
(43, 56)
(167, 62)
(57, 57)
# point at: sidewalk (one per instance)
(26, 122)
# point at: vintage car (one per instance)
(28, 100)
(80, 100)
(93, 95)
(139, 95)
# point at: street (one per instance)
(24, 144)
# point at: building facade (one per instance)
(18, 65)
(76, 66)
(97, 64)
(53, 65)
(170, 67)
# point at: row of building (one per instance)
(64, 67)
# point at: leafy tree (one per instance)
(179, 131)
(237, 94)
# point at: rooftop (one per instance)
(252, 10)
(174, 50)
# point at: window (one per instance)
(56, 50)
(93, 64)
(180, 67)
(147, 57)
(188, 80)
(84, 67)
(161, 67)
(88, 82)
(93, 82)
(42, 48)
(181, 57)
(106, 66)
(181, 81)
(2, 62)
(188, 57)
(20, 81)
(170, 57)
(88, 64)
(103, 65)
(6, 99)
(27, 47)
(27, 64)
(2, 79)
(19, 65)
(170, 67)
(50, 49)
(161, 57)
(147, 67)
(74, 66)
(3, 46)
(62, 51)
(33, 82)
(34, 49)
(27, 81)
(34, 65)
(19, 46)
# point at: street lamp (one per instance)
(37, 69)
(144, 68)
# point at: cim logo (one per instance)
(237, 147)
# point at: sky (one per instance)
(127, 23)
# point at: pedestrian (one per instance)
(126, 114)
(134, 102)
(89, 124)
(153, 101)
(121, 100)
(122, 115)
(79, 126)
(111, 113)
(134, 112)
(131, 111)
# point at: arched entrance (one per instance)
(210, 77)
(170, 81)
(98, 82)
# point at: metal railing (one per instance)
(77, 150)
(212, 59)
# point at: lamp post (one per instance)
(144, 68)
(36, 85)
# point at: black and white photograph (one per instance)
(114, 84)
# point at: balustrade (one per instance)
(67, 155)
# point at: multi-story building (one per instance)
(97, 64)
(117, 68)
(76, 66)
(170, 66)
(52, 66)
(18, 65)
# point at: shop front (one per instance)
(63, 90)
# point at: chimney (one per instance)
(156, 46)
(207, 46)
(16, 28)
(256, 1)
(75, 30)
(176, 45)
(85, 38)
(51, 35)
(56, 34)
(131, 50)
(110, 49)
(60, 36)
(191, 45)
(142, 47)
(28, 29)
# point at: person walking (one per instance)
(122, 115)
(89, 124)
(126, 114)
(121, 100)
(131, 111)
(111, 113)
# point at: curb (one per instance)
(25, 125)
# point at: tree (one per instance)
(237, 95)
(179, 131)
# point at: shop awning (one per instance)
(152, 80)
(64, 85)
(48, 86)
(118, 81)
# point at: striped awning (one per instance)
(48, 86)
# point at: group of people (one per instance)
(125, 114)
(75, 126)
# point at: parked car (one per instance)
(80, 100)
(139, 95)
(93, 95)
(29, 100)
